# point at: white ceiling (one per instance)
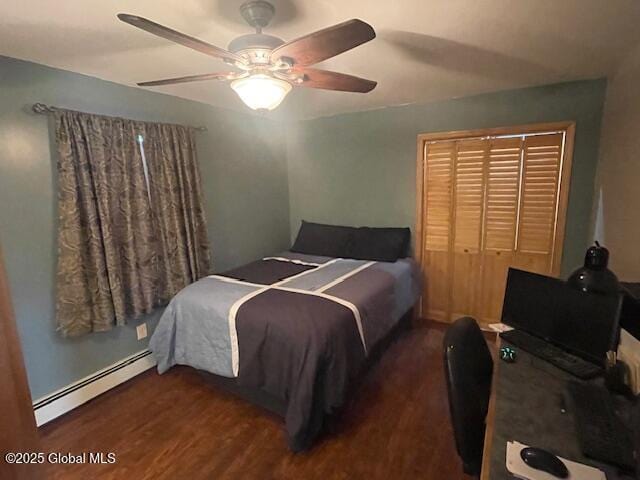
(426, 50)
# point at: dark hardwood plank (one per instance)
(176, 426)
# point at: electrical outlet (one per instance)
(141, 331)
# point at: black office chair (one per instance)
(468, 368)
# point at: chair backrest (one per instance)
(468, 369)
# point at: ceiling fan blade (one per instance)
(190, 78)
(326, 43)
(181, 38)
(324, 79)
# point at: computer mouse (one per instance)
(545, 461)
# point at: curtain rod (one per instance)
(506, 135)
(41, 108)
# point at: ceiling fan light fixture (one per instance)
(261, 91)
(267, 67)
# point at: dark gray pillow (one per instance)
(325, 240)
(379, 244)
(363, 243)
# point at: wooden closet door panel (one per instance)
(468, 195)
(437, 207)
(503, 185)
(467, 227)
(465, 286)
(435, 299)
(542, 160)
(493, 281)
(503, 170)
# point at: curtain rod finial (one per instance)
(42, 108)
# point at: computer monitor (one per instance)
(584, 324)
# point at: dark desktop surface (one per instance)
(531, 403)
(530, 395)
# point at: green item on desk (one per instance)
(508, 354)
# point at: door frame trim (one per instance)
(17, 425)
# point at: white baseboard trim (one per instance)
(72, 396)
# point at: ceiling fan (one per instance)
(266, 66)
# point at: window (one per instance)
(116, 261)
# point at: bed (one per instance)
(289, 332)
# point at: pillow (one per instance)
(364, 243)
(325, 240)
(379, 244)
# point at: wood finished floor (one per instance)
(175, 426)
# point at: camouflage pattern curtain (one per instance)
(126, 242)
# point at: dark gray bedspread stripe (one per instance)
(267, 272)
(302, 348)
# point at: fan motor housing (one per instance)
(254, 40)
(257, 13)
(256, 47)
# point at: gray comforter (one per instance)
(295, 326)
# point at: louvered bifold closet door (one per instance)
(490, 203)
(542, 160)
(468, 199)
(437, 210)
(500, 223)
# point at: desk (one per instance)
(525, 405)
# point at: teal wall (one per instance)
(359, 168)
(244, 173)
(260, 178)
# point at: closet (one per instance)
(488, 200)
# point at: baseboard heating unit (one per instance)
(66, 399)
